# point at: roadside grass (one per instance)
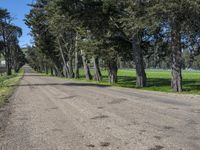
(158, 80)
(6, 86)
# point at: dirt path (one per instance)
(53, 114)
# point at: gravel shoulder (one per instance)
(47, 113)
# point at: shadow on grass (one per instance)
(158, 84)
(191, 85)
(126, 81)
(188, 85)
(151, 82)
(155, 84)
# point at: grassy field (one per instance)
(7, 86)
(157, 80)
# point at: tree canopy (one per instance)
(9, 44)
(96, 34)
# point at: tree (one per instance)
(9, 35)
(181, 16)
(134, 26)
(44, 40)
(100, 19)
(149, 33)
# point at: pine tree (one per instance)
(181, 16)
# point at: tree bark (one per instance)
(15, 61)
(46, 69)
(76, 75)
(51, 69)
(65, 67)
(97, 71)
(9, 67)
(16, 66)
(57, 71)
(141, 79)
(7, 54)
(112, 71)
(8, 60)
(176, 81)
(88, 75)
(76, 68)
(70, 66)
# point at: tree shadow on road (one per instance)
(63, 84)
(34, 75)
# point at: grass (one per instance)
(158, 80)
(6, 86)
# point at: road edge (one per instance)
(5, 109)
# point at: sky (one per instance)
(18, 9)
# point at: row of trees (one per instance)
(73, 32)
(9, 44)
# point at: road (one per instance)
(49, 113)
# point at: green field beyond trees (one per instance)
(158, 80)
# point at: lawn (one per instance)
(158, 80)
(7, 86)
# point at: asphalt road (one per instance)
(48, 113)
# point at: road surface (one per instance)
(48, 113)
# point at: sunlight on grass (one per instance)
(158, 80)
(6, 86)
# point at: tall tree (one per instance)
(134, 26)
(9, 35)
(181, 16)
(44, 40)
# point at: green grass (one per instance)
(7, 86)
(158, 80)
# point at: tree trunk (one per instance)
(8, 60)
(15, 63)
(141, 78)
(7, 54)
(88, 75)
(65, 68)
(8, 66)
(51, 71)
(16, 67)
(112, 72)
(76, 58)
(70, 66)
(176, 82)
(97, 71)
(76, 75)
(46, 69)
(57, 71)
(41, 68)
(9, 70)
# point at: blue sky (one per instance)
(18, 9)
